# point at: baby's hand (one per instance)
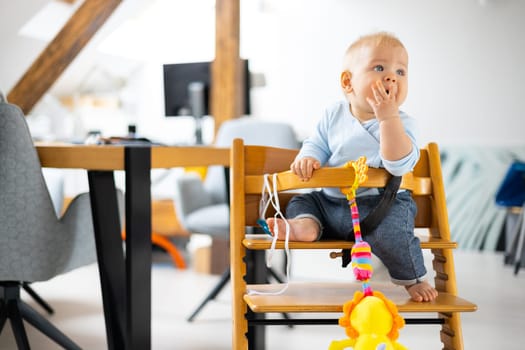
(384, 103)
(304, 167)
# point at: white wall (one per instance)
(465, 62)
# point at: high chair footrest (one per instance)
(305, 297)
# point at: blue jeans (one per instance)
(393, 241)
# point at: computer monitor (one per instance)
(177, 79)
(187, 91)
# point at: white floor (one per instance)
(499, 322)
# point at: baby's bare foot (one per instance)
(422, 291)
(304, 229)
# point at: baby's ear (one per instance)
(346, 81)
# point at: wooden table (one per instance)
(125, 275)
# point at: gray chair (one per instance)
(202, 206)
(35, 245)
(55, 184)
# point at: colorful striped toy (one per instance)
(361, 253)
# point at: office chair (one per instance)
(55, 184)
(35, 245)
(202, 206)
(511, 194)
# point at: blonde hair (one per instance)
(373, 39)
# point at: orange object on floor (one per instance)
(168, 246)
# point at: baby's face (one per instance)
(370, 64)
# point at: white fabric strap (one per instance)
(269, 196)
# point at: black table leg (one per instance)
(138, 247)
(110, 254)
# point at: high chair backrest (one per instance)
(249, 167)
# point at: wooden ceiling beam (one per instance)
(60, 52)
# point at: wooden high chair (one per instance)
(248, 166)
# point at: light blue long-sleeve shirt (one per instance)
(339, 137)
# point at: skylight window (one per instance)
(47, 22)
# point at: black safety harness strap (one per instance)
(374, 218)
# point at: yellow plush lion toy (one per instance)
(371, 323)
